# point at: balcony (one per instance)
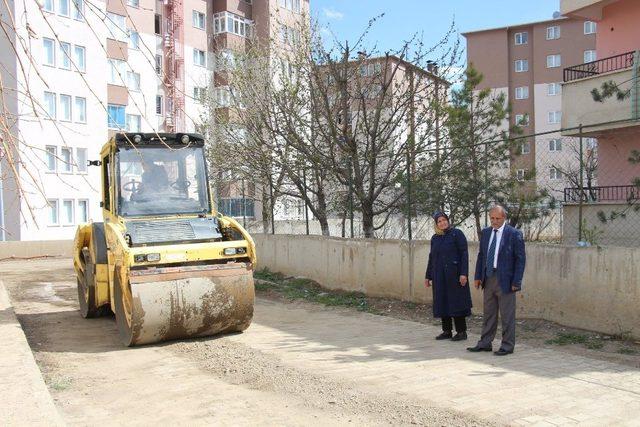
(609, 194)
(586, 9)
(579, 108)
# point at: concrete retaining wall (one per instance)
(590, 288)
(27, 249)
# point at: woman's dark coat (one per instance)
(448, 260)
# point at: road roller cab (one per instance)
(163, 260)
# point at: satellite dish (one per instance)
(556, 15)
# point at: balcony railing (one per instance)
(601, 66)
(613, 193)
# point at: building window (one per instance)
(67, 212)
(50, 104)
(525, 147)
(79, 57)
(53, 212)
(292, 5)
(237, 207)
(115, 119)
(63, 7)
(78, 10)
(522, 38)
(592, 143)
(225, 60)
(134, 40)
(225, 22)
(48, 5)
(65, 55)
(48, 46)
(369, 70)
(81, 110)
(522, 65)
(198, 20)
(159, 104)
(521, 174)
(133, 3)
(133, 81)
(554, 61)
(222, 96)
(133, 123)
(83, 211)
(554, 173)
(65, 108)
(554, 117)
(590, 27)
(81, 160)
(157, 24)
(590, 56)
(116, 72)
(199, 93)
(522, 92)
(159, 65)
(289, 35)
(553, 89)
(522, 120)
(199, 58)
(555, 144)
(52, 158)
(116, 27)
(553, 33)
(65, 159)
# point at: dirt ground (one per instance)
(92, 377)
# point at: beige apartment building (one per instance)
(76, 72)
(525, 62)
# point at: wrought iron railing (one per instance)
(605, 65)
(612, 193)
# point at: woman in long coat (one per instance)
(447, 273)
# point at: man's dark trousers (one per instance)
(496, 300)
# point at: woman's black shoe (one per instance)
(460, 336)
(444, 336)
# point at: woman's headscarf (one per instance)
(435, 217)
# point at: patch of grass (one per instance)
(410, 305)
(625, 350)
(594, 344)
(60, 383)
(567, 338)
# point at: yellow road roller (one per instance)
(163, 260)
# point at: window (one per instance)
(522, 92)
(53, 212)
(52, 161)
(157, 24)
(159, 104)
(590, 27)
(292, 5)
(521, 174)
(63, 7)
(83, 211)
(65, 159)
(555, 144)
(225, 60)
(48, 5)
(134, 40)
(199, 58)
(553, 89)
(368, 70)
(50, 104)
(80, 110)
(65, 55)
(525, 147)
(522, 65)
(554, 173)
(116, 27)
(222, 96)
(78, 10)
(115, 119)
(592, 143)
(225, 22)
(237, 207)
(553, 33)
(198, 20)
(554, 117)
(79, 57)
(590, 56)
(133, 3)
(116, 72)
(522, 120)
(159, 65)
(289, 35)
(81, 160)
(554, 61)
(67, 212)
(133, 123)
(48, 46)
(65, 108)
(522, 38)
(199, 93)
(133, 80)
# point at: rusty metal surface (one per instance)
(186, 272)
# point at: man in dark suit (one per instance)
(499, 270)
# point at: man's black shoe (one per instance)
(444, 336)
(460, 336)
(477, 348)
(502, 352)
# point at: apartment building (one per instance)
(525, 62)
(76, 72)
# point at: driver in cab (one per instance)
(154, 180)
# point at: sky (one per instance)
(403, 18)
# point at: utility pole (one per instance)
(304, 187)
(581, 192)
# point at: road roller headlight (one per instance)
(241, 251)
(146, 257)
(153, 257)
(230, 251)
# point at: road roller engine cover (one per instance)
(164, 261)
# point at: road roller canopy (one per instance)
(161, 176)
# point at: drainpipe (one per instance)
(635, 88)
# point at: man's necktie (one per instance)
(491, 256)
